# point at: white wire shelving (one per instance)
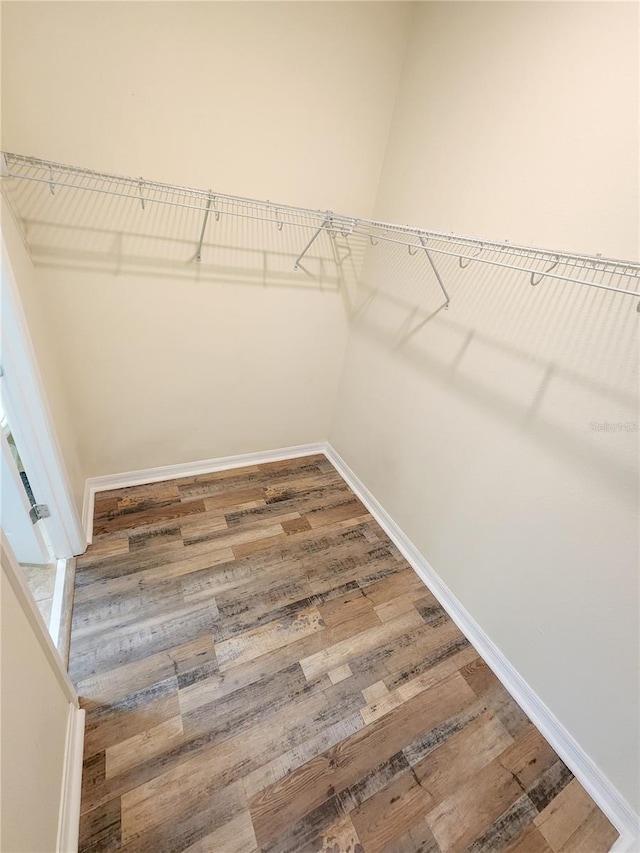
(618, 276)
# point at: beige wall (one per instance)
(473, 427)
(35, 713)
(272, 100)
(519, 121)
(288, 101)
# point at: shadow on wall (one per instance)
(557, 360)
(99, 232)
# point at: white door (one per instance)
(24, 537)
(24, 403)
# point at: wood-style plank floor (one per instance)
(262, 670)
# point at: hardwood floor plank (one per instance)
(340, 653)
(564, 814)
(104, 548)
(433, 738)
(404, 582)
(168, 510)
(108, 686)
(388, 814)
(306, 788)
(340, 673)
(227, 681)
(321, 517)
(246, 549)
(306, 833)
(468, 751)
(264, 673)
(330, 502)
(479, 677)
(268, 638)
(161, 534)
(395, 607)
(200, 776)
(237, 711)
(228, 537)
(100, 828)
(235, 836)
(529, 757)
(530, 841)
(151, 831)
(341, 836)
(283, 764)
(139, 748)
(228, 499)
(419, 839)
(142, 495)
(107, 725)
(104, 504)
(549, 785)
(141, 639)
(466, 814)
(394, 698)
(205, 522)
(596, 833)
(507, 827)
(118, 610)
(347, 606)
(93, 571)
(186, 563)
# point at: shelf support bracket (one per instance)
(310, 243)
(204, 227)
(435, 270)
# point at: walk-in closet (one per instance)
(319, 373)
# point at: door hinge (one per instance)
(37, 512)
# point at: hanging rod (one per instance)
(558, 265)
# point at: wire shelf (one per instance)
(618, 276)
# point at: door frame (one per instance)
(27, 410)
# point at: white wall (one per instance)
(473, 427)
(273, 100)
(35, 712)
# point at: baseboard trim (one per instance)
(56, 605)
(185, 469)
(626, 844)
(63, 642)
(69, 820)
(602, 791)
(599, 787)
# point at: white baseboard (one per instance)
(58, 595)
(599, 787)
(63, 642)
(69, 820)
(626, 844)
(186, 469)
